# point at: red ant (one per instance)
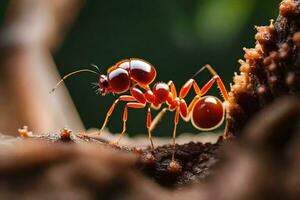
(205, 112)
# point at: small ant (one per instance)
(134, 74)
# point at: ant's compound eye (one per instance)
(119, 80)
(208, 113)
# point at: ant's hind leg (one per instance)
(125, 117)
(224, 93)
(220, 83)
(112, 108)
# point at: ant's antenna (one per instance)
(72, 73)
(210, 69)
(95, 66)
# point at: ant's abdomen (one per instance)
(141, 71)
(208, 113)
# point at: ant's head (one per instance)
(117, 81)
(103, 85)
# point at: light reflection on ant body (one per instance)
(135, 75)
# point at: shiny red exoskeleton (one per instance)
(126, 72)
(135, 75)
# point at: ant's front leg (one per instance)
(112, 108)
(125, 117)
(142, 98)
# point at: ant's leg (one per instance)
(125, 117)
(220, 83)
(204, 90)
(224, 94)
(138, 95)
(192, 104)
(174, 166)
(149, 122)
(183, 108)
(110, 111)
(186, 88)
(176, 120)
(173, 89)
(200, 92)
(158, 118)
(142, 98)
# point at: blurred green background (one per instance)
(177, 37)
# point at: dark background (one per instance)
(177, 37)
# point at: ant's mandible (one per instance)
(134, 74)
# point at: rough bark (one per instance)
(270, 70)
